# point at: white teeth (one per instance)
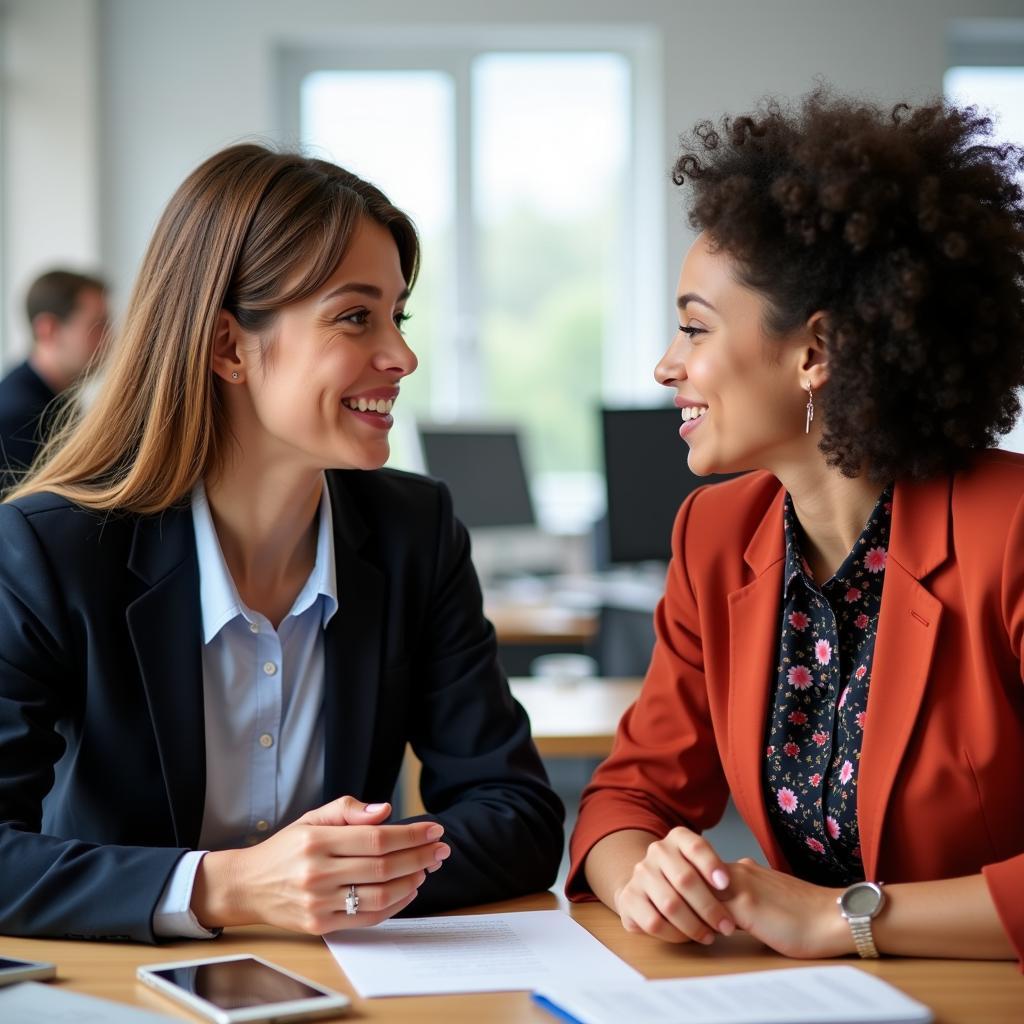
(381, 406)
(691, 412)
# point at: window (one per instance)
(519, 165)
(988, 72)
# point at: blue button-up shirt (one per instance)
(262, 700)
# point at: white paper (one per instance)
(29, 1002)
(474, 953)
(799, 995)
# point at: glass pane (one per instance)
(999, 92)
(396, 129)
(550, 148)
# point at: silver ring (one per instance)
(352, 901)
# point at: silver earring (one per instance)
(234, 375)
(810, 408)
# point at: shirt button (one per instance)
(266, 740)
(254, 627)
(269, 668)
(262, 826)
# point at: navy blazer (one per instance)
(102, 759)
(27, 417)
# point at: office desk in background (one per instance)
(959, 992)
(607, 615)
(542, 625)
(528, 630)
(572, 719)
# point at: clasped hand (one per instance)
(683, 891)
(299, 877)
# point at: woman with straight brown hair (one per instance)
(221, 621)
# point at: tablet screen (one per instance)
(233, 984)
(5, 963)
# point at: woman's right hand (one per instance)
(299, 877)
(672, 891)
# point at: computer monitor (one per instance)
(483, 467)
(647, 479)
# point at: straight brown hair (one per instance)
(249, 231)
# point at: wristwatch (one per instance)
(859, 904)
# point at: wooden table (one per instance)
(959, 992)
(570, 719)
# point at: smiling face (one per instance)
(740, 393)
(321, 392)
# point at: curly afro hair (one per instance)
(906, 226)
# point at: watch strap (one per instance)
(863, 937)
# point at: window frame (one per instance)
(635, 338)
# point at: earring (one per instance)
(234, 375)
(810, 408)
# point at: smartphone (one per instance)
(24, 970)
(237, 989)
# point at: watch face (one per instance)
(861, 900)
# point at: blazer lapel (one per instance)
(907, 630)
(753, 644)
(352, 653)
(165, 628)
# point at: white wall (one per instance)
(182, 79)
(121, 98)
(50, 160)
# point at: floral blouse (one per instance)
(816, 720)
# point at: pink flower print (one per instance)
(842, 697)
(798, 620)
(815, 779)
(874, 560)
(820, 738)
(787, 800)
(887, 506)
(770, 751)
(861, 622)
(798, 718)
(791, 749)
(823, 652)
(814, 844)
(846, 772)
(861, 715)
(862, 671)
(800, 677)
(833, 827)
(853, 594)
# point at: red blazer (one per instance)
(941, 780)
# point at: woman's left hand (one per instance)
(793, 917)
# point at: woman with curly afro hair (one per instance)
(841, 639)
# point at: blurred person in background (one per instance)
(68, 317)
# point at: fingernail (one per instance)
(435, 832)
(720, 879)
(374, 808)
(433, 868)
(707, 940)
(726, 927)
(442, 852)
